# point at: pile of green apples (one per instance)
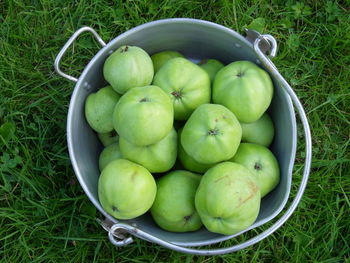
(186, 142)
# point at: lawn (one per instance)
(45, 215)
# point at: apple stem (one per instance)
(257, 166)
(113, 133)
(177, 94)
(213, 132)
(240, 74)
(187, 217)
(144, 100)
(124, 49)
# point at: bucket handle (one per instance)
(259, 41)
(68, 44)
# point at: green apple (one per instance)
(128, 67)
(125, 189)
(159, 59)
(188, 162)
(228, 198)
(212, 134)
(262, 163)
(260, 132)
(144, 115)
(156, 158)
(174, 209)
(108, 154)
(243, 88)
(185, 83)
(211, 66)
(99, 108)
(108, 138)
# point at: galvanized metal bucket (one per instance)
(196, 39)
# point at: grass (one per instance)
(46, 217)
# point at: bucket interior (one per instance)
(197, 40)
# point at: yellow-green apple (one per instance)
(108, 154)
(245, 89)
(125, 189)
(99, 108)
(212, 134)
(185, 83)
(260, 132)
(160, 58)
(108, 138)
(144, 115)
(228, 198)
(174, 209)
(128, 67)
(188, 162)
(156, 158)
(211, 66)
(262, 164)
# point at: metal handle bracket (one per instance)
(267, 43)
(68, 44)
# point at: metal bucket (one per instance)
(196, 39)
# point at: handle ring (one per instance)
(68, 44)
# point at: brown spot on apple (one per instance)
(226, 177)
(133, 176)
(254, 189)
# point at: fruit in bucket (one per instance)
(174, 209)
(212, 134)
(144, 115)
(125, 189)
(185, 83)
(108, 138)
(260, 132)
(262, 164)
(188, 162)
(156, 158)
(211, 66)
(108, 154)
(142, 139)
(128, 67)
(245, 89)
(99, 108)
(228, 198)
(160, 58)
